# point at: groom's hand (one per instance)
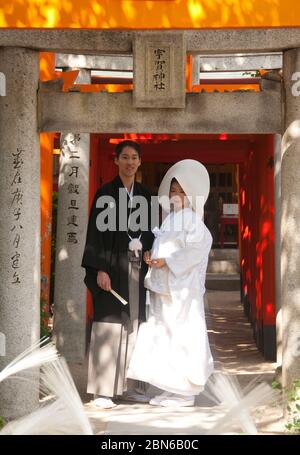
(103, 281)
(147, 257)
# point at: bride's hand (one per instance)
(158, 263)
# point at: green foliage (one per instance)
(276, 385)
(254, 73)
(293, 408)
(2, 423)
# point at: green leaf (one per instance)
(2, 422)
(276, 385)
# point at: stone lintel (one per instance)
(95, 42)
(245, 112)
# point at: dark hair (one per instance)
(174, 181)
(121, 145)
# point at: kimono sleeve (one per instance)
(194, 248)
(94, 256)
(147, 235)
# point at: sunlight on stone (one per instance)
(72, 310)
(240, 60)
(292, 133)
(63, 255)
(36, 276)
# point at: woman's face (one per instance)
(177, 196)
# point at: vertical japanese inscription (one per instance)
(160, 69)
(16, 205)
(158, 73)
(70, 153)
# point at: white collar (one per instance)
(130, 194)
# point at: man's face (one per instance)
(128, 162)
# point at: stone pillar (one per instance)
(277, 222)
(72, 220)
(290, 219)
(20, 223)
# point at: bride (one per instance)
(172, 350)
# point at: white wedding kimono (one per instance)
(172, 349)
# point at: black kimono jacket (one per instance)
(107, 251)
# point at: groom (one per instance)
(112, 263)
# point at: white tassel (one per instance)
(56, 378)
(51, 419)
(66, 414)
(32, 357)
(135, 245)
(225, 390)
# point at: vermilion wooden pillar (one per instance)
(257, 245)
(265, 153)
(47, 72)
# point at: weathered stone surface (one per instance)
(74, 41)
(219, 41)
(20, 223)
(95, 42)
(241, 62)
(95, 62)
(290, 216)
(72, 220)
(113, 112)
(159, 70)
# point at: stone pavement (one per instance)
(234, 352)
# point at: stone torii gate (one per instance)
(30, 107)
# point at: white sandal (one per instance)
(156, 401)
(104, 403)
(178, 401)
